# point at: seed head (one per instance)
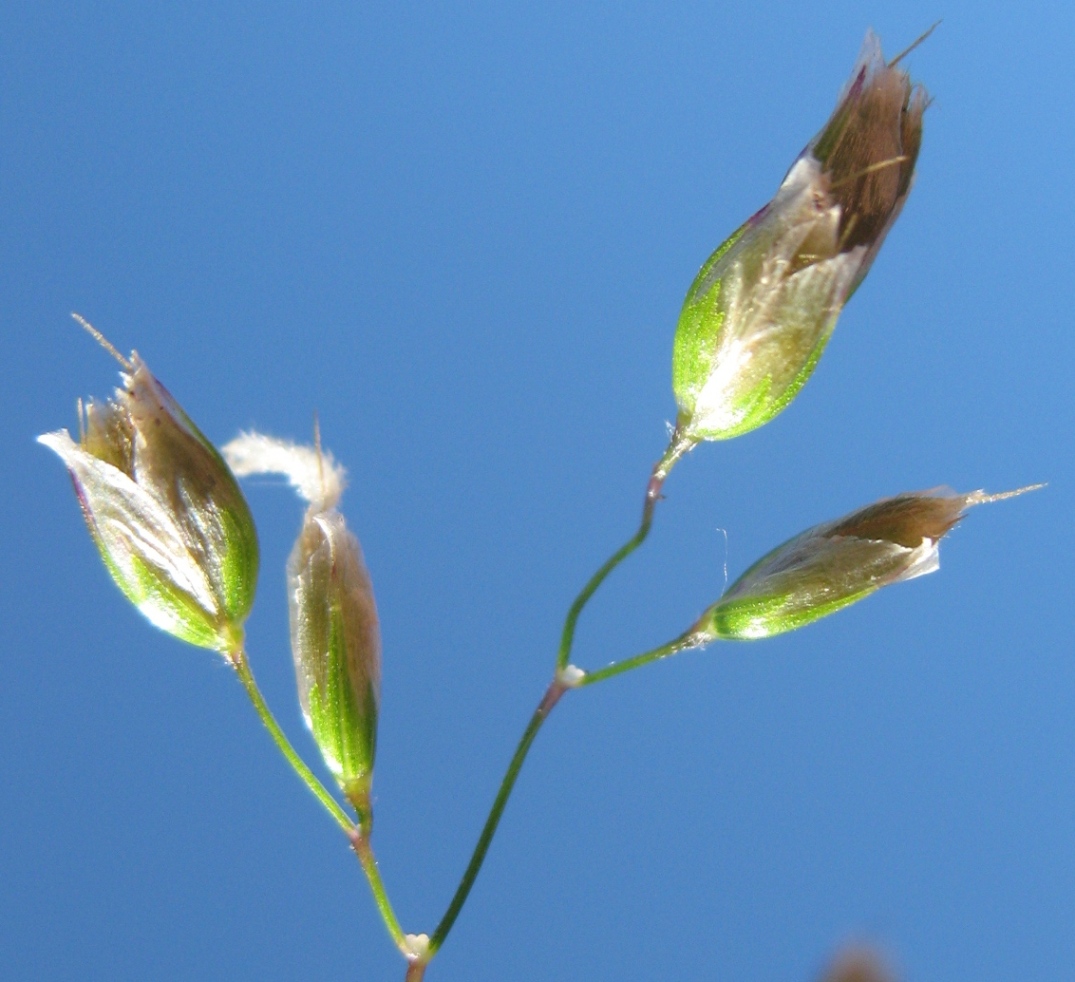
(762, 308)
(165, 512)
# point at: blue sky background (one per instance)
(461, 234)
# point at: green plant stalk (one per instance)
(548, 701)
(358, 835)
(242, 668)
(689, 639)
(360, 842)
(678, 445)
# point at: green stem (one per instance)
(690, 639)
(361, 844)
(548, 701)
(677, 447)
(332, 806)
(357, 834)
(560, 684)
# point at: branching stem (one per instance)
(691, 639)
(678, 445)
(548, 701)
(358, 835)
(364, 851)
